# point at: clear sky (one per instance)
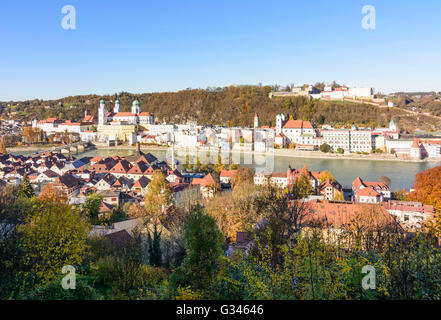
(164, 45)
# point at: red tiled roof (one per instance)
(142, 182)
(124, 114)
(293, 124)
(408, 206)
(298, 124)
(357, 183)
(227, 173)
(339, 214)
(367, 192)
(307, 125)
(123, 166)
(105, 207)
(205, 181)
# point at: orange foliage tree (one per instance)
(51, 194)
(428, 188)
(428, 191)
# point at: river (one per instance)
(401, 174)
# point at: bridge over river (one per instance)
(70, 149)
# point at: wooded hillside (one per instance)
(232, 106)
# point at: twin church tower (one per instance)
(136, 116)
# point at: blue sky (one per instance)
(151, 46)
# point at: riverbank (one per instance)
(32, 148)
(285, 153)
(289, 153)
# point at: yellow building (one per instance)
(121, 132)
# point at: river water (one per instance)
(401, 174)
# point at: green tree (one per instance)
(203, 245)
(25, 189)
(325, 148)
(154, 247)
(91, 208)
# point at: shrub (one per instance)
(54, 291)
(325, 148)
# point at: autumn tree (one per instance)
(54, 236)
(49, 193)
(428, 191)
(428, 188)
(369, 227)
(272, 202)
(325, 176)
(235, 211)
(302, 187)
(401, 195)
(3, 146)
(339, 196)
(158, 197)
(242, 175)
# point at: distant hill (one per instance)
(424, 102)
(229, 106)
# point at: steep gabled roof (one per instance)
(227, 173)
(68, 180)
(122, 166)
(147, 158)
(138, 168)
(368, 192)
(105, 207)
(205, 181)
(141, 183)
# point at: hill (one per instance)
(230, 106)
